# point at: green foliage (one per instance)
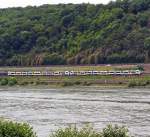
(11, 81)
(109, 131)
(147, 43)
(4, 81)
(76, 34)
(53, 59)
(75, 132)
(115, 131)
(132, 84)
(66, 84)
(140, 67)
(12, 129)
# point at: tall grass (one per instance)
(109, 131)
(13, 129)
(115, 131)
(75, 132)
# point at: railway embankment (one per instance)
(62, 76)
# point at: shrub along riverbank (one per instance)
(13, 129)
(59, 81)
(11, 81)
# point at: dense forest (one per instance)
(118, 32)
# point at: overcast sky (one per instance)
(23, 3)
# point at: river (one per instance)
(49, 109)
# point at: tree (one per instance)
(75, 33)
(53, 59)
(147, 48)
(67, 20)
(41, 41)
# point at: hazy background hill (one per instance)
(76, 34)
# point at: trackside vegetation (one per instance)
(58, 81)
(118, 32)
(14, 129)
(10, 81)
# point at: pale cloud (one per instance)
(23, 3)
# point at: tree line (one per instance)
(118, 32)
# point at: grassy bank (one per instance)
(120, 81)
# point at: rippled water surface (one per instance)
(49, 109)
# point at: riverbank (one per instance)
(107, 81)
(78, 81)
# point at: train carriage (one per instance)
(72, 73)
(10, 73)
(24, 73)
(111, 72)
(82, 73)
(88, 72)
(95, 72)
(126, 72)
(57, 73)
(67, 73)
(103, 73)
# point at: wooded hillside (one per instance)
(118, 32)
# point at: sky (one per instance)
(23, 3)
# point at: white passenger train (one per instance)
(73, 73)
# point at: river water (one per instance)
(49, 109)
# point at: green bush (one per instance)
(142, 84)
(12, 81)
(140, 67)
(74, 132)
(132, 84)
(41, 83)
(115, 131)
(65, 84)
(4, 82)
(147, 82)
(109, 131)
(13, 129)
(77, 83)
(23, 83)
(138, 84)
(85, 83)
(31, 82)
(8, 81)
